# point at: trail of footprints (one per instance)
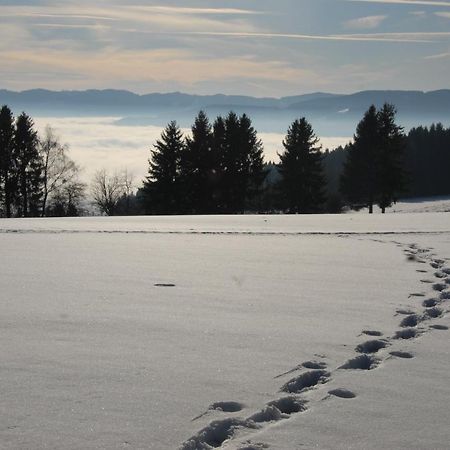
(316, 374)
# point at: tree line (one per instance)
(219, 168)
(37, 177)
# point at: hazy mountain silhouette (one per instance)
(331, 114)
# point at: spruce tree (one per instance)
(391, 175)
(29, 164)
(163, 187)
(359, 181)
(197, 167)
(241, 164)
(302, 184)
(8, 172)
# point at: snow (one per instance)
(243, 332)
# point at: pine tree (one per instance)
(197, 167)
(241, 164)
(302, 182)
(8, 174)
(359, 181)
(29, 165)
(163, 187)
(373, 173)
(391, 176)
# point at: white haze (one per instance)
(97, 142)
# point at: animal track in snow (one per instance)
(164, 285)
(371, 346)
(305, 381)
(253, 446)
(407, 333)
(440, 274)
(342, 393)
(445, 295)
(362, 362)
(417, 294)
(405, 312)
(404, 355)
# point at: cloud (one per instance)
(445, 14)
(406, 2)
(365, 23)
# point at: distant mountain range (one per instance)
(330, 114)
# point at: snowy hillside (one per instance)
(244, 332)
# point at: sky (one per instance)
(254, 47)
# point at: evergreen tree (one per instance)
(29, 164)
(8, 174)
(373, 173)
(163, 187)
(197, 166)
(391, 176)
(359, 181)
(241, 164)
(302, 182)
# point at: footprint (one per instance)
(439, 327)
(407, 333)
(306, 365)
(164, 285)
(417, 294)
(445, 270)
(342, 393)
(362, 362)
(317, 365)
(372, 333)
(216, 433)
(405, 312)
(410, 321)
(371, 346)
(279, 409)
(226, 407)
(430, 303)
(427, 281)
(253, 446)
(434, 313)
(405, 355)
(445, 295)
(289, 405)
(306, 381)
(440, 274)
(439, 287)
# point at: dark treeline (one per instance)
(37, 177)
(219, 168)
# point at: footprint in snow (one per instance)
(372, 333)
(362, 362)
(407, 333)
(439, 327)
(371, 346)
(430, 303)
(315, 365)
(410, 321)
(342, 393)
(439, 286)
(305, 381)
(226, 407)
(165, 285)
(279, 410)
(404, 355)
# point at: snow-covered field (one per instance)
(244, 332)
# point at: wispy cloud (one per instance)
(365, 23)
(406, 2)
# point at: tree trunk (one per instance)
(370, 208)
(383, 210)
(44, 204)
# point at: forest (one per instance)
(219, 168)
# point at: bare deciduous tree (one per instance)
(58, 169)
(108, 190)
